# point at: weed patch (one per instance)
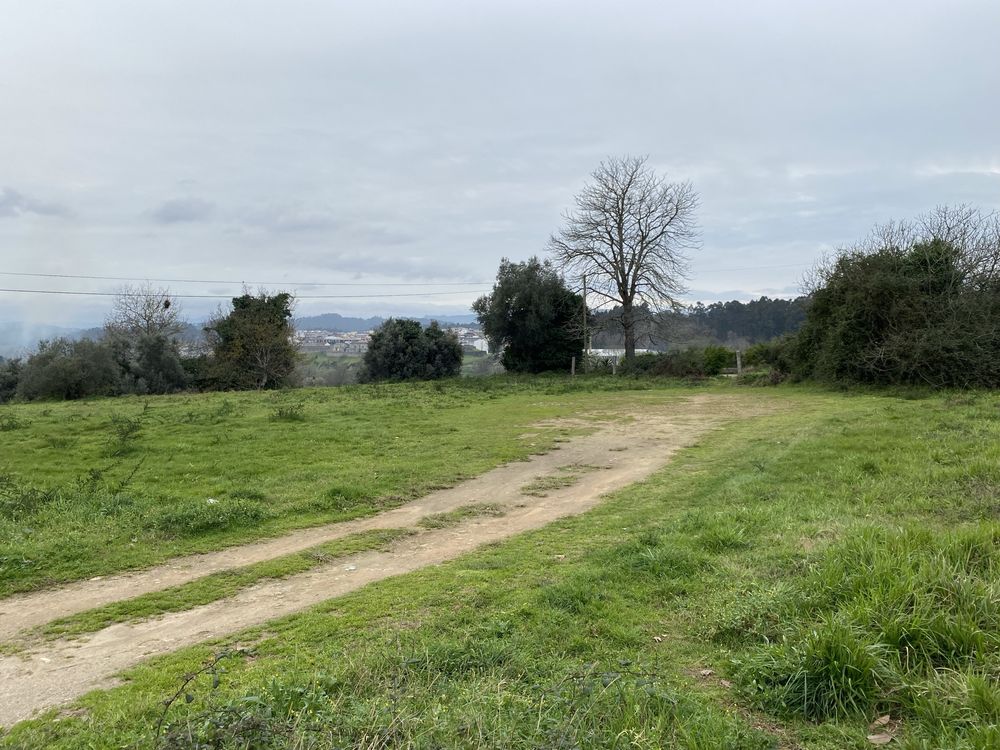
(289, 413)
(210, 514)
(10, 421)
(565, 476)
(460, 514)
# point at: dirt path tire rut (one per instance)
(52, 673)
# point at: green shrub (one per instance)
(715, 359)
(683, 363)
(914, 304)
(777, 355)
(404, 350)
(10, 374)
(64, 369)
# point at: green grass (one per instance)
(778, 585)
(220, 585)
(92, 487)
(565, 476)
(460, 514)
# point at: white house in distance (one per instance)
(470, 338)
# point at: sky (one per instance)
(391, 148)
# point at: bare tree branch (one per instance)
(629, 235)
(144, 310)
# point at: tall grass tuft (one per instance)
(905, 621)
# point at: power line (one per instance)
(230, 296)
(258, 283)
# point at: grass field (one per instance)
(91, 487)
(823, 577)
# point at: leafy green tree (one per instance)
(252, 346)
(532, 317)
(402, 349)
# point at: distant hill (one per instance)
(16, 338)
(337, 322)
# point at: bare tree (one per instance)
(628, 237)
(144, 310)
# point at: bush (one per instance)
(777, 354)
(762, 378)
(914, 304)
(403, 350)
(64, 369)
(156, 366)
(10, 374)
(716, 358)
(681, 363)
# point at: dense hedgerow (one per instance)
(913, 304)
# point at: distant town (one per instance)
(354, 343)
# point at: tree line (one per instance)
(139, 351)
(916, 302)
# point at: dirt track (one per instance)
(53, 673)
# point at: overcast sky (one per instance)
(421, 141)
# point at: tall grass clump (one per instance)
(904, 622)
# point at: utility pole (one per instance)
(586, 341)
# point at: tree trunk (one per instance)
(628, 329)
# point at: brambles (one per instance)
(915, 303)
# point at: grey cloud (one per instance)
(183, 211)
(289, 219)
(14, 203)
(424, 141)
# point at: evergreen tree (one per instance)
(532, 318)
(403, 350)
